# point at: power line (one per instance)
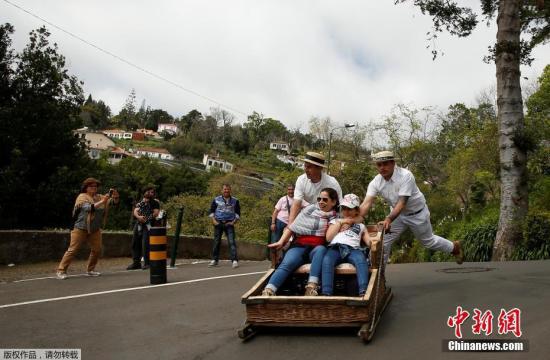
(127, 62)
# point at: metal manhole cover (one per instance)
(463, 270)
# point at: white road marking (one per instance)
(126, 289)
(84, 274)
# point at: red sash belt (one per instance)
(310, 240)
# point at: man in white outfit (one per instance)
(408, 207)
(310, 184)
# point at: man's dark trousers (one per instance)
(140, 244)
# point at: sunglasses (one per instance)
(323, 199)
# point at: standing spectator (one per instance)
(89, 214)
(145, 212)
(225, 211)
(408, 207)
(279, 218)
(310, 184)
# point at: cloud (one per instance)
(350, 60)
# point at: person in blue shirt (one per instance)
(225, 211)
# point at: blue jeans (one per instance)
(230, 233)
(293, 259)
(279, 227)
(334, 257)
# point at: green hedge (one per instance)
(536, 238)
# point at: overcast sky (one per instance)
(290, 60)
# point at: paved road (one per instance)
(199, 319)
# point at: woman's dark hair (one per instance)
(333, 195)
(148, 187)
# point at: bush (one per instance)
(195, 214)
(477, 237)
(478, 242)
(186, 146)
(536, 238)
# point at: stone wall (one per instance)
(28, 246)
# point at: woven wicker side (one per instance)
(376, 236)
(307, 314)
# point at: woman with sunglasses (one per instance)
(309, 229)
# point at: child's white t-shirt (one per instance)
(351, 236)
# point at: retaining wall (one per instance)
(28, 246)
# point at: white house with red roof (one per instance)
(116, 154)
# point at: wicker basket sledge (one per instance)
(345, 309)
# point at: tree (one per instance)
(240, 140)
(126, 118)
(142, 114)
(320, 127)
(273, 130)
(95, 115)
(403, 128)
(42, 162)
(538, 109)
(187, 121)
(254, 124)
(156, 117)
(538, 129)
(514, 18)
(224, 119)
(262, 130)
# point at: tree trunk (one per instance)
(514, 200)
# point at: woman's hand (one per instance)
(276, 245)
(272, 227)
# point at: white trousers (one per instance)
(421, 228)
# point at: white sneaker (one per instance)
(61, 275)
(213, 263)
(93, 273)
(235, 264)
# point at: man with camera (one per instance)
(145, 212)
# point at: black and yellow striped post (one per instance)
(157, 255)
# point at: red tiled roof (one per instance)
(151, 149)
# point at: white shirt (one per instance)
(309, 191)
(351, 236)
(401, 183)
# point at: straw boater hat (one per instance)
(315, 159)
(383, 156)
